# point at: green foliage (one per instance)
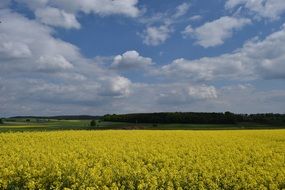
(197, 118)
(93, 123)
(1, 121)
(11, 125)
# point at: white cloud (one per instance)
(245, 98)
(101, 7)
(14, 49)
(195, 17)
(185, 93)
(188, 31)
(160, 26)
(49, 74)
(271, 9)
(239, 98)
(55, 17)
(216, 32)
(181, 10)
(52, 77)
(62, 13)
(168, 97)
(116, 87)
(206, 69)
(154, 36)
(54, 63)
(130, 60)
(31, 41)
(203, 92)
(256, 59)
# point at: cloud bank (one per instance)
(43, 74)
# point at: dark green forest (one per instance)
(196, 118)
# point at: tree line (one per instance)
(196, 118)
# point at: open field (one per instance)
(50, 125)
(116, 159)
(53, 124)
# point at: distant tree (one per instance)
(28, 120)
(196, 118)
(1, 121)
(230, 117)
(93, 123)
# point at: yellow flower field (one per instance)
(253, 159)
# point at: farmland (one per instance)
(21, 125)
(143, 159)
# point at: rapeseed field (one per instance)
(114, 159)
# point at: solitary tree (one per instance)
(230, 117)
(93, 123)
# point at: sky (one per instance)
(62, 57)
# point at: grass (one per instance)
(33, 125)
(22, 125)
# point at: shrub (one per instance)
(93, 123)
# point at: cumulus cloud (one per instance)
(49, 73)
(206, 69)
(55, 63)
(116, 86)
(55, 17)
(271, 9)
(41, 74)
(203, 92)
(239, 98)
(245, 98)
(216, 32)
(257, 59)
(62, 13)
(160, 26)
(156, 35)
(130, 60)
(14, 50)
(181, 10)
(35, 45)
(101, 7)
(186, 93)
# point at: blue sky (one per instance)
(102, 56)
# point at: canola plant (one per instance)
(253, 159)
